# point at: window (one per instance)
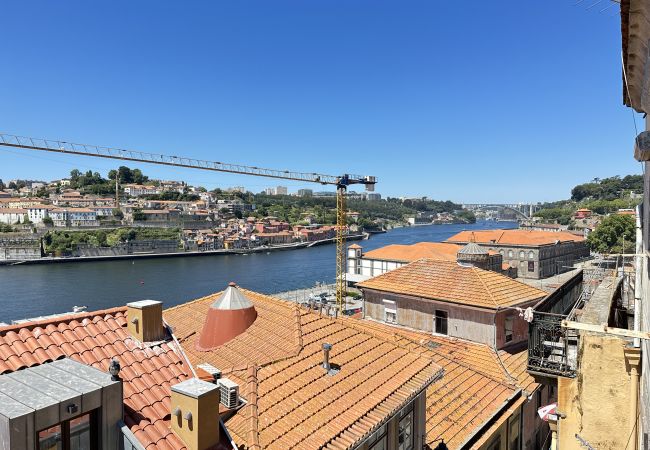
(531, 266)
(495, 444)
(510, 254)
(531, 255)
(508, 328)
(380, 444)
(441, 321)
(79, 433)
(405, 432)
(514, 434)
(522, 254)
(390, 311)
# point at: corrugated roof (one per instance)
(449, 281)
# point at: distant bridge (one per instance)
(521, 210)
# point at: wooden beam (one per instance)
(605, 329)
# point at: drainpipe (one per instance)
(638, 276)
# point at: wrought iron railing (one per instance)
(552, 350)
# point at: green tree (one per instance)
(615, 234)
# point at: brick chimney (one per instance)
(195, 413)
(144, 320)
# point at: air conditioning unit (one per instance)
(229, 393)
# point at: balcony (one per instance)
(552, 350)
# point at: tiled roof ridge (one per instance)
(61, 319)
(398, 336)
(251, 389)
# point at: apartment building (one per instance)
(74, 217)
(137, 190)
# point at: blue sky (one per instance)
(492, 101)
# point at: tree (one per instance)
(48, 221)
(12, 185)
(615, 234)
(75, 174)
(2, 185)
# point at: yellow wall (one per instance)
(596, 402)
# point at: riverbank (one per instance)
(151, 255)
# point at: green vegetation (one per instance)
(62, 242)
(615, 234)
(608, 188)
(173, 196)
(4, 228)
(604, 196)
(323, 209)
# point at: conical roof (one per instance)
(232, 298)
(472, 248)
(228, 317)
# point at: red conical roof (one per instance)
(229, 316)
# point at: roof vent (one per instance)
(229, 393)
(228, 317)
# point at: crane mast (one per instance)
(341, 182)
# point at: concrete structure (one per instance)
(535, 254)
(18, 247)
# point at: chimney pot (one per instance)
(233, 284)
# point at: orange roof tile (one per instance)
(476, 384)
(277, 361)
(514, 237)
(93, 339)
(408, 253)
(452, 282)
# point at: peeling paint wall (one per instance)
(597, 401)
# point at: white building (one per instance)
(136, 190)
(74, 217)
(281, 190)
(36, 213)
(12, 216)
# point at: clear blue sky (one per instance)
(488, 101)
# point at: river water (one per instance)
(34, 290)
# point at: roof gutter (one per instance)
(470, 440)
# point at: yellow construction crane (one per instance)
(341, 182)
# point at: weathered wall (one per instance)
(597, 401)
(464, 322)
(644, 404)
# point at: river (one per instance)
(34, 290)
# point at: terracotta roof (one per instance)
(476, 383)
(452, 282)
(277, 362)
(354, 246)
(93, 339)
(408, 253)
(513, 237)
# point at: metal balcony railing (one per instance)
(552, 350)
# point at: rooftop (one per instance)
(93, 339)
(413, 252)
(514, 237)
(291, 402)
(455, 283)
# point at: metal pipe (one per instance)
(638, 276)
(326, 356)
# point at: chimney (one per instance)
(195, 413)
(326, 357)
(144, 320)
